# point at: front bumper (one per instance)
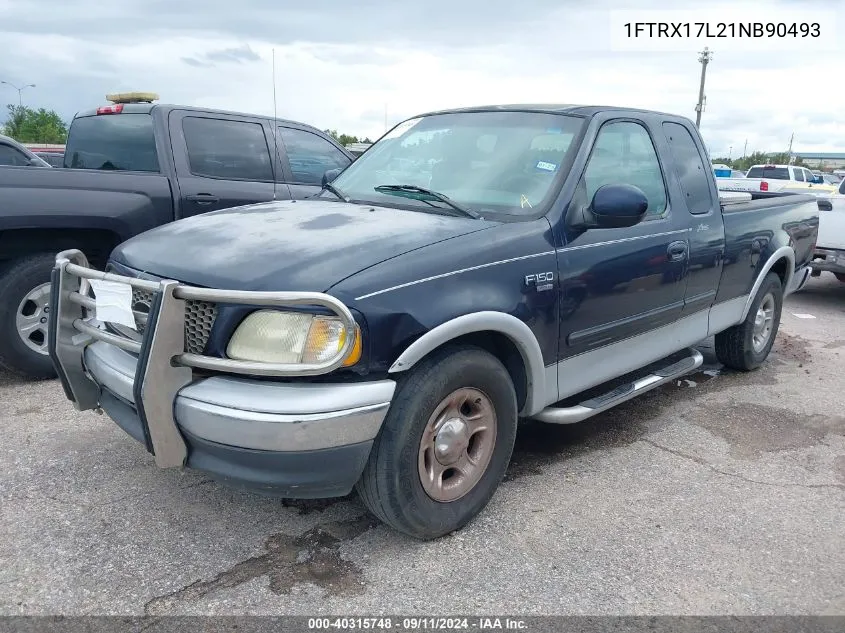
(291, 439)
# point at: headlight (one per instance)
(274, 336)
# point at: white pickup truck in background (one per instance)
(774, 178)
(829, 254)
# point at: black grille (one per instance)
(199, 319)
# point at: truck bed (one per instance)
(749, 246)
(131, 202)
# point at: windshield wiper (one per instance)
(412, 189)
(330, 187)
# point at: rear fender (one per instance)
(784, 252)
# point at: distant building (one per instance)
(822, 160)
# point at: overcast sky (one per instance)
(352, 64)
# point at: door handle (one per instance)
(677, 251)
(202, 198)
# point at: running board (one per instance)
(627, 391)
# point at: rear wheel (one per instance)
(24, 313)
(445, 444)
(747, 345)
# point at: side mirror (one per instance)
(35, 162)
(616, 206)
(818, 180)
(330, 175)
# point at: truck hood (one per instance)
(305, 245)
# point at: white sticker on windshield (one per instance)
(113, 302)
(546, 166)
(400, 129)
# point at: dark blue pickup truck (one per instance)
(473, 267)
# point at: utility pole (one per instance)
(20, 90)
(704, 58)
(745, 148)
(730, 151)
(789, 150)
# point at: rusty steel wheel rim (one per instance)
(457, 444)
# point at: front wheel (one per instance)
(445, 444)
(747, 345)
(24, 313)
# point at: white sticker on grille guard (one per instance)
(113, 302)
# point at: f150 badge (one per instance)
(540, 281)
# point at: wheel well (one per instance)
(781, 269)
(504, 349)
(97, 244)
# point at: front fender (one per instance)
(516, 331)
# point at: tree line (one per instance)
(28, 125)
(346, 139)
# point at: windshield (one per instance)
(489, 162)
(112, 142)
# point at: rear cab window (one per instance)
(692, 174)
(112, 142)
(799, 175)
(771, 173)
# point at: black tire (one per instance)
(735, 347)
(390, 485)
(17, 279)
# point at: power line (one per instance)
(704, 58)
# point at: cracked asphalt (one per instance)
(723, 493)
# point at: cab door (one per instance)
(222, 161)
(617, 283)
(699, 198)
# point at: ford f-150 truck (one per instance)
(473, 267)
(130, 167)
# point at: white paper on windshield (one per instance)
(400, 129)
(113, 302)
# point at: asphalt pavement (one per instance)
(723, 493)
